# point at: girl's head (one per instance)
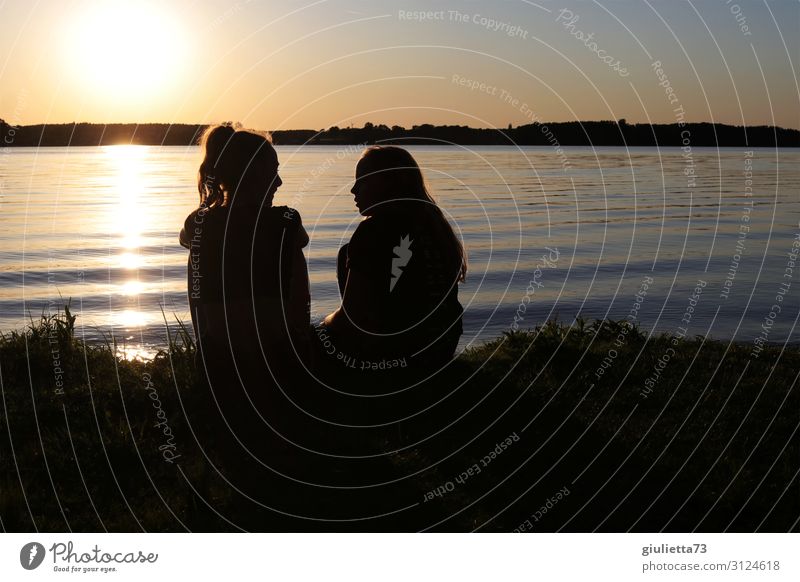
(389, 173)
(238, 165)
(384, 174)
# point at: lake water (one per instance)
(100, 226)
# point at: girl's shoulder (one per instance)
(285, 214)
(199, 216)
(288, 218)
(201, 220)
(387, 225)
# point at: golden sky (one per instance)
(314, 64)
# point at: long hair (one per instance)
(228, 154)
(404, 177)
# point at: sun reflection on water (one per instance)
(131, 288)
(135, 352)
(126, 221)
(129, 260)
(128, 318)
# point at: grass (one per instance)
(713, 445)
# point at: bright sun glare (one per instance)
(125, 48)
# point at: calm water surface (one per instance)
(100, 226)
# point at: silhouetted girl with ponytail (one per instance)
(247, 283)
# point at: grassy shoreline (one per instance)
(93, 442)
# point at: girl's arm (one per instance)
(185, 236)
(183, 239)
(359, 308)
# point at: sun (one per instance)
(125, 49)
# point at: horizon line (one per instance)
(376, 125)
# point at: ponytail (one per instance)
(227, 153)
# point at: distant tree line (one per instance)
(573, 133)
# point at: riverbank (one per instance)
(553, 134)
(582, 427)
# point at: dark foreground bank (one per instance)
(571, 428)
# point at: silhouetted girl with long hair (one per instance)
(399, 274)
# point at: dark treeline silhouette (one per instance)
(575, 133)
(94, 134)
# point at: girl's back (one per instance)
(247, 278)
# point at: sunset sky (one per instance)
(283, 64)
